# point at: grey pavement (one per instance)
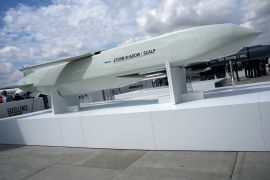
(244, 80)
(62, 163)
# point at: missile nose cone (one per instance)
(246, 32)
(242, 35)
(257, 33)
(252, 32)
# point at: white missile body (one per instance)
(114, 67)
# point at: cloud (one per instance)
(72, 27)
(179, 14)
(64, 28)
(10, 52)
(9, 75)
(256, 15)
(67, 28)
(175, 14)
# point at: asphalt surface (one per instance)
(244, 80)
(62, 163)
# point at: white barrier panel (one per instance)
(30, 131)
(264, 97)
(15, 108)
(133, 130)
(233, 123)
(223, 128)
(71, 129)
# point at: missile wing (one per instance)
(114, 67)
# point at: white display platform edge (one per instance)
(231, 123)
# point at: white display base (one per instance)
(177, 83)
(225, 121)
(63, 104)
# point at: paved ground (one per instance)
(244, 80)
(60, 163)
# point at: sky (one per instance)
(39, 31)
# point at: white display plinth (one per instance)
(225, 120)
(177, 82)
(63, 104)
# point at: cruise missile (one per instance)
(119, 66)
